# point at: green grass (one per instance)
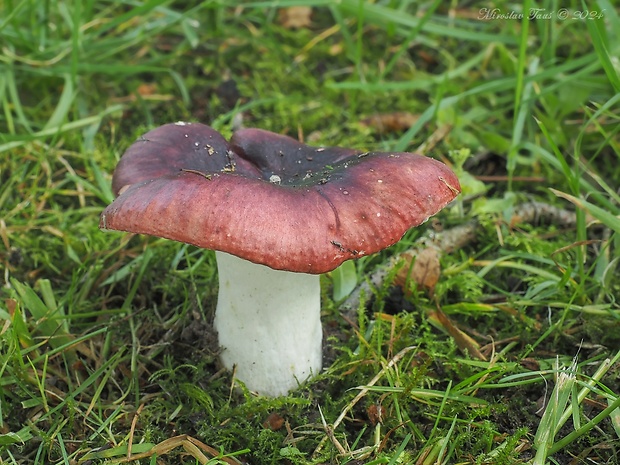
(105, 342)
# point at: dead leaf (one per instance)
(376, 414)
(390, 122)
(146, 89)
(336, 49)
(427, 57)
(530, 363)
(273, 422)
(424, 272)
(11, 305)
(295, 17)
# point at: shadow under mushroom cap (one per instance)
(270, 199)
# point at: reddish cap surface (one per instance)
(270, 199)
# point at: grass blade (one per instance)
(596, 27)
(604, 216)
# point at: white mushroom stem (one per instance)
(268, 324)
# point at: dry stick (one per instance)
(329, 431)
(359, 396)
(131, 431)
(540, 212)
(446, 241)
(453, 239)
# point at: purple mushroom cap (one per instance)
(270, 199)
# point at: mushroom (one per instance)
(278, 213)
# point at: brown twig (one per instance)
(454, 239)
(445, 241)
(134, 421)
